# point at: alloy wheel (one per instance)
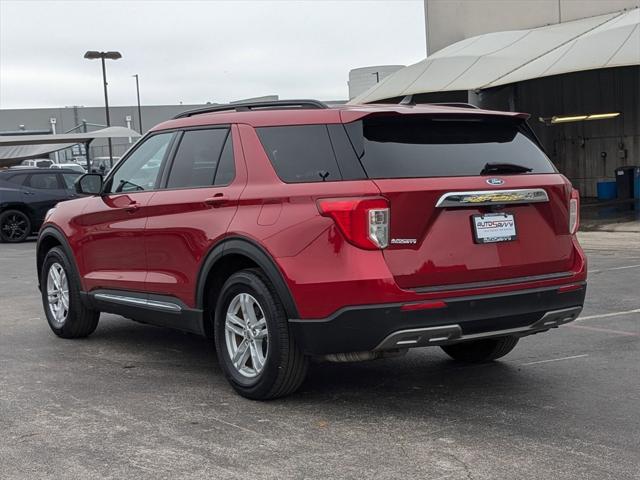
(58, 294)
(246, 335)
(14, 226)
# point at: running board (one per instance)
(159, 310)
(445, 334)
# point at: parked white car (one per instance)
(37, 163)
(69, 166)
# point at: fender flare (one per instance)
(250, 249)
(54, 232)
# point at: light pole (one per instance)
(93, 55)
(139, 110)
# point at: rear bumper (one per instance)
(389, 326)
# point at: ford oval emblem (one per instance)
(495, 181)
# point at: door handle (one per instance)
(217, 200)
(132, 207)
(28, 193)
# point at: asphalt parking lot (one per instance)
(135, 401)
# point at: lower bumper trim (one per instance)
(445, 334)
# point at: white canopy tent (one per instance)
(493, 59)
(14, 148)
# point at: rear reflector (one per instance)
(422, 306)
(569, 288)
(574, 212)
(364, 221)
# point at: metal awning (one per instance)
(14, 148)
(73, 138)
(499, 58)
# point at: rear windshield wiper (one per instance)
(504, 168)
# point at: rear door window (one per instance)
(17, 179)
(44, 181)
(418, 146)
(301, 153)
(197, 158)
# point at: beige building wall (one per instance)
(449, 21)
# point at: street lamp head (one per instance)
(93, 55)
(113, 55)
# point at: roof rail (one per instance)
(247, 106)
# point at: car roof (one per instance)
(336, 114)
(36, 170)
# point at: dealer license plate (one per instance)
(494, 227)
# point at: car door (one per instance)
(42, 191)
(113, 248)
(194, 210)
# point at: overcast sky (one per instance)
(198, 51)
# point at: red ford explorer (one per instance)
(285, 230)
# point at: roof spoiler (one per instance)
(408, 100)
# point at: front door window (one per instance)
(141, 170)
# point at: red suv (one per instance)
(285, 230)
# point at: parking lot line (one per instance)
(606, 330)
(555, 359)
(614, 268)
(607, 315)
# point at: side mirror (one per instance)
(89, 184)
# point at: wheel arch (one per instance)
(48, 238)
(17, 205)
(229, 256)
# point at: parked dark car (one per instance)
(27, 194)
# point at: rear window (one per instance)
(300, 153)
(416, 146)
(311, 153)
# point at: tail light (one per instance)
(363, 221)
(574, 212)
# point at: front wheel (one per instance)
(255, 349)
(479, 351)
(65, 312)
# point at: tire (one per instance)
(479, 351)
(284, 366)
(76, 320)
(15, 226)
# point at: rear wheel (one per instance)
(479, 351)
(66, 315)
(255, 349)
(15, 226)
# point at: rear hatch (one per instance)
(473, 199)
